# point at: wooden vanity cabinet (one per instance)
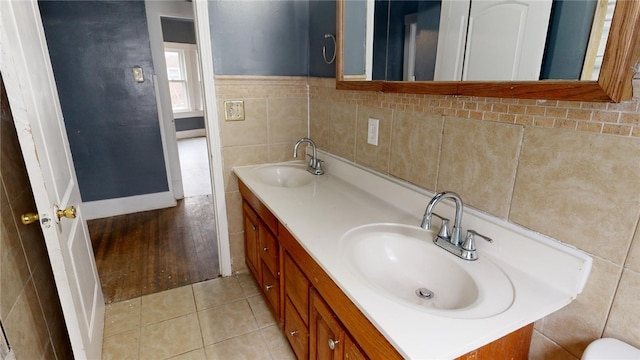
(312, 309)
(262, 249)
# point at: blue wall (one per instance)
(178, 30)
(190, 123)
(322, 20)
(260, 37)
(427, 39)
(567, 40)
(111, 121)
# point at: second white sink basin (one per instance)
(402, 263)
(284, 175)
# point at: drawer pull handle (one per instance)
(254, 228)
(268, 287)
(293, 333)
(265, 248)
(333, 343)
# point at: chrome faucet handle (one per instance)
(469, 243)
(315, 166)
(444, 232)
(312, 161)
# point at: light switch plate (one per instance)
(138, 74)
(234, 110)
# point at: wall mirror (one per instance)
(547, 49)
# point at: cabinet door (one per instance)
(251, 241)
(326, 334)
(351, 350)
(296, 287)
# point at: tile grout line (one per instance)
(197, 312)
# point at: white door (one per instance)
(506, 39)
(33, 98)
(452, 37)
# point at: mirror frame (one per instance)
(614, 83)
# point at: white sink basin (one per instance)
(284, 175)
(400, 261)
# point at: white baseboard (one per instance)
(127, 205)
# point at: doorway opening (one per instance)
(148, 252)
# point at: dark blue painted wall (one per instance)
(389, 33)
(190, 123)
(427, 39)
(380, 31)
(112, 121)
(260, 37)
(322, 20)
(178, 30)
(569, 30)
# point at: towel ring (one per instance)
(324, 49)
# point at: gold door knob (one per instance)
(29, 218)
(69, 213)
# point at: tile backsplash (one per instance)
(276, 116)
(569, 170)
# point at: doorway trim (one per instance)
(199, 13)
(212, 127)
(154, 11)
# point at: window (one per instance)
(184, 79)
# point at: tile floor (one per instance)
(223, 318)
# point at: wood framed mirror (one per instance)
(614, 84)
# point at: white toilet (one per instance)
(610, 349)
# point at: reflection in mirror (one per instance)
(495, 40)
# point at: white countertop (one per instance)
(546, 275)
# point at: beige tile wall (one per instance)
(569, 170)
(276, 116)
(29, 307)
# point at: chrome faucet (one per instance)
(426, 220)
(315, 164)
(452, 240)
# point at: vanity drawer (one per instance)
(296, 287)
(296, 331)
(271, 289)
(269, 219)
(268, 250)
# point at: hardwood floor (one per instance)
(152, 251)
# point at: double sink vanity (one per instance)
(348, 271)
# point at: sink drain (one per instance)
(424, 293)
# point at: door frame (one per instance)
(154, 11)
(197, 11)
(212, 128)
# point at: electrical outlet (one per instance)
(372, 132)
(234, 110)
